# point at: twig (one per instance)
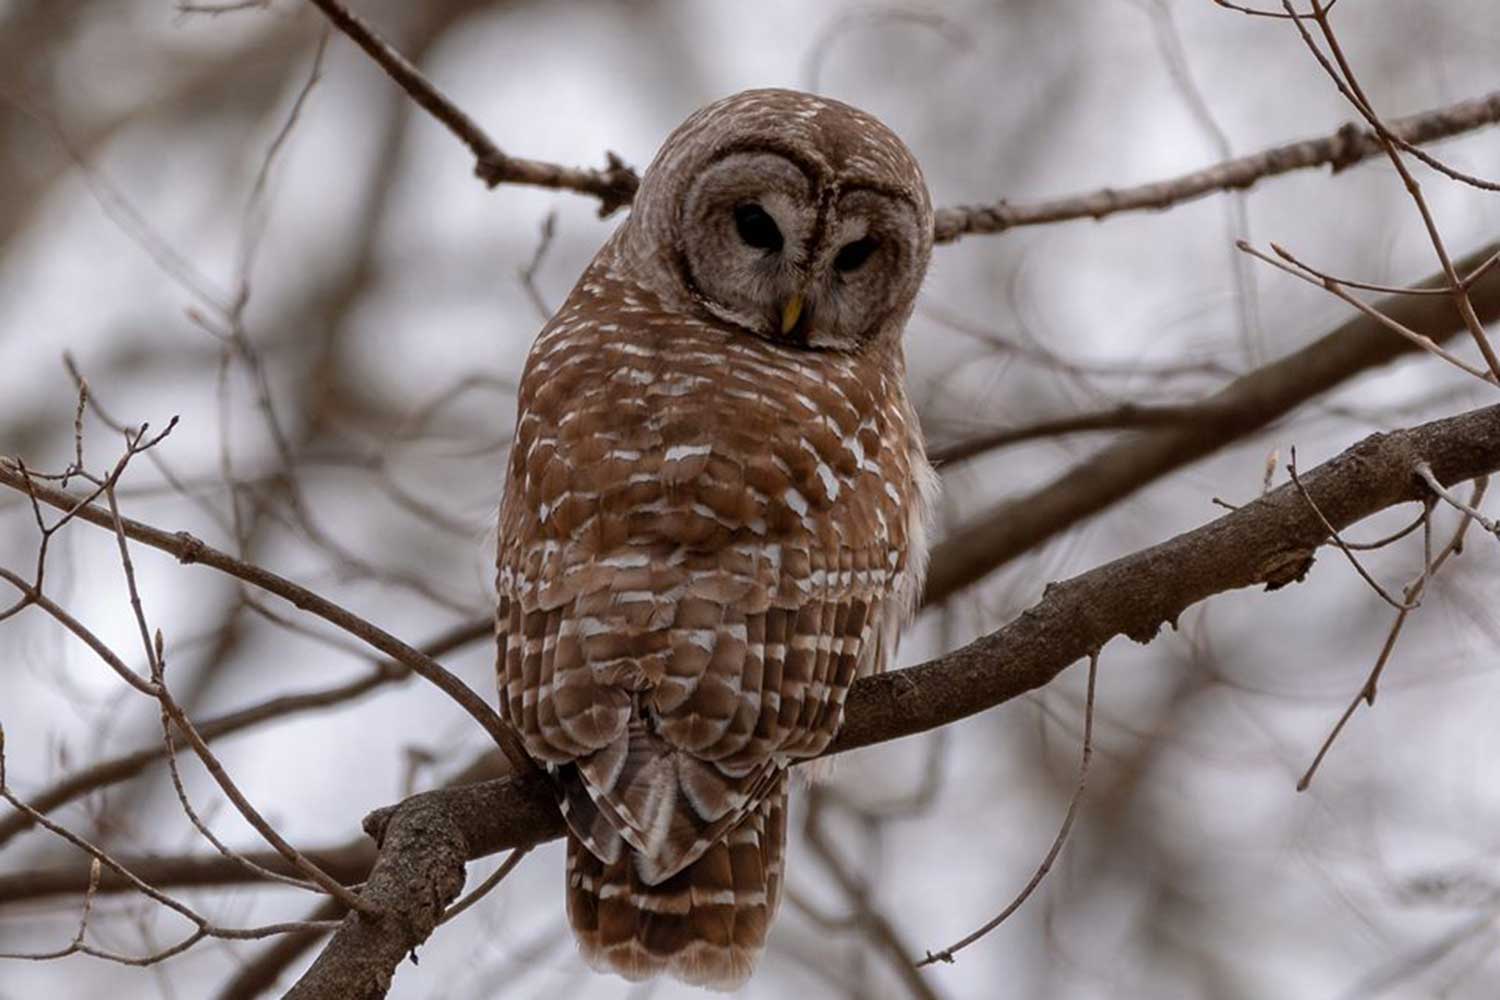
(1273, 14)
(76, 945)
(1178, 63)
(204, 928)
(1340, 151)
(158, 690)
(1010, 527)
(877, 929)
(185, 8)
(1412, 594)
(1348, 85)
(1296, 268)
(284, 706)
(349, 863)
(58, 613)
(188, 548)
(614, 186)
(1339, 541)
(1422, 520)
(528, 273)
(1470, 510)
(258, 871)
(256, 212)
(259, 974)
(483, 889)
(946, 954)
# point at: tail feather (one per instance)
(706, 924)
(667, 805)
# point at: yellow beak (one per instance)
(790, 313)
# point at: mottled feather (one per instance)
(706, 536)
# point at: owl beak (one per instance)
(790, 313)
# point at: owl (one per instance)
(715, 517)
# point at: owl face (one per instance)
(794, 218)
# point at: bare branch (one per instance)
(203, 927)
(614, 186)
(259, 974)
(1300, 270)
(946, 955)
(1013, 526)
(188, 548)
(427, 839)
(867, 918)
(1413, 594)
(1348, 84)
(126, 766)
(1126, 416)
(1345, 148)
(1333, 533)
(484, 888)
(1469, 510)
(349, 863)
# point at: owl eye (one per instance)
(756, 227)
(853, 255)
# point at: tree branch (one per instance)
(260, 973)
(128, 765)
(1249, 403)
(188, 548)
(616, 184)
(426, 840)
(424, 849)
(1343, 149)
(349, 863)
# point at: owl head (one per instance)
(795, 218)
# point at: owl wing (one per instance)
(703, 543)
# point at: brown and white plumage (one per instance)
(713, 518)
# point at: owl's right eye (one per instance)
(756, 227)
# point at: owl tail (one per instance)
(705, 925)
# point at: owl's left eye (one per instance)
(756, 227)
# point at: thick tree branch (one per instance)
(616, 184)
(426, 840)
(419, 872)
(1013, 526)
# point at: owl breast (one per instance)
(686, 507)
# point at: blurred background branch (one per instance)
(209, 214)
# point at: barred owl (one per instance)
(714, 517)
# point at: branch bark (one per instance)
(426, 840)
(420, 871)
